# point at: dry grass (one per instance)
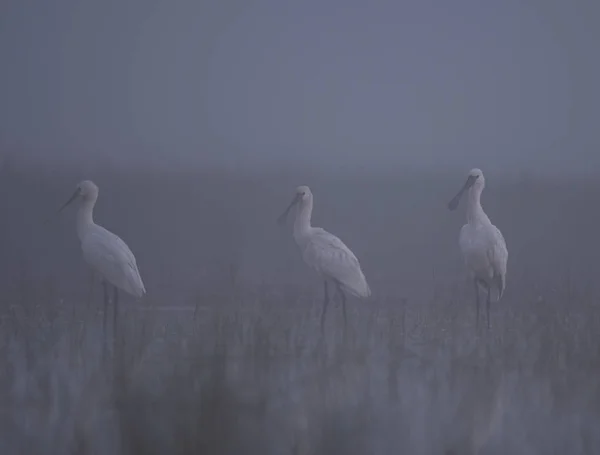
(251, 376)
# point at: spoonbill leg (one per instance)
(343, 298)
(487, 304)
(325, 303)
(476, 286)
(115, 318)
(90, 297)
(104, 317)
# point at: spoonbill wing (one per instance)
(498, 256)
(328, 255)
(498, 253)
(485, 253)
(111, 257)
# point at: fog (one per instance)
(327, 84)
(197, 120)
(224, 354)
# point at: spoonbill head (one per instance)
(475, 182)
(86, 191)
(302, 197)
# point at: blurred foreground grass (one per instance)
(246, 372)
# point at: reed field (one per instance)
(225, 354)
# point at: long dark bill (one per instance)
(283, 217)
(72, 198)
(456, 199)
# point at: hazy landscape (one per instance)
(197, 121)
(224, 354)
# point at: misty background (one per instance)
(333, 84)
(197, 120)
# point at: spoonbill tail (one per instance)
(105, 252)
(325, 253)
(481, 243)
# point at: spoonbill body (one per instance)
(325, 253)
(481, 243)
(104, 251)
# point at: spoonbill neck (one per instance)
(85, 216)
(303, 215)
(475, 213)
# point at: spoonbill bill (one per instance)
(325, 253)
(105, 252)
(481, 243)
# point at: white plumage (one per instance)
(330, 257)
(325, 253)
(481, 243)
(113, 259)
(105, 252)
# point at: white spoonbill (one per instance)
(481, 243)
(325, 253)
(105, 252)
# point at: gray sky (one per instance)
(506, 84)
